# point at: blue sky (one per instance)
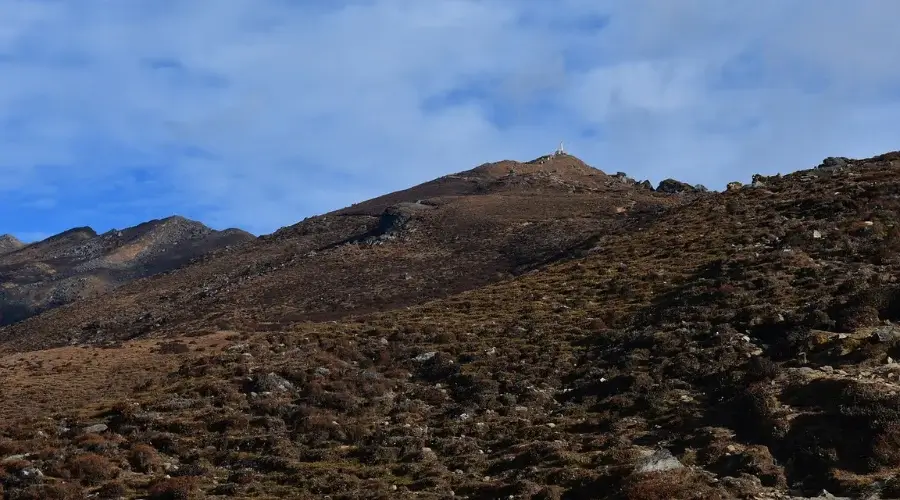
(258, 113)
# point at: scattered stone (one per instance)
(30, 475)
(816, 234)
(734, 186)
(661, 460)
(834, 162)
(95, 429)
(421, 358)
(13, 458)
(273, 382)
(672, 186)
(886, 333)
(322, 371)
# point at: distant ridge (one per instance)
(9, 243)
(79, 263)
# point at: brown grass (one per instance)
(176, 488)
(144, 458)
(92, 469)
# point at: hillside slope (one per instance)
(80, 263)
(436, 239)
(733, 345)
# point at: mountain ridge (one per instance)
(487, 222)
(79, 262)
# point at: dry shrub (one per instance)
(682, 484)
(92, 469)
(10, 447)
(176, 488)
(92, 442)
(113, 489)
(886, 446)
(50, 491)
(143, 458)
(243, 477)
(174, 347)
(13, 466)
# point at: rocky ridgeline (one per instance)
(9, 243)
(81, 263)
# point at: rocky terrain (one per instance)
(520, 330)
(79, 263)
(9, 243)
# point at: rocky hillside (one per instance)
(9, 243)
(455, 233)
(687, 345)
(79, 263)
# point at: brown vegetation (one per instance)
(728, 345)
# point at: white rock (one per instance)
(661, 460)
(421, 358)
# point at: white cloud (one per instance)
(260, 112)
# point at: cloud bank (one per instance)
(258, 113)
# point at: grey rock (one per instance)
(95, 429)
(271, 382)
(30, 475)
(660, 460)
(672, 186)
(886, 333)
(834, 162)
(421, 358)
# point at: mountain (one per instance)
(523, 330)
(455, 233)
(9, 243)
(80, 263)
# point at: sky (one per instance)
(259, 113)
